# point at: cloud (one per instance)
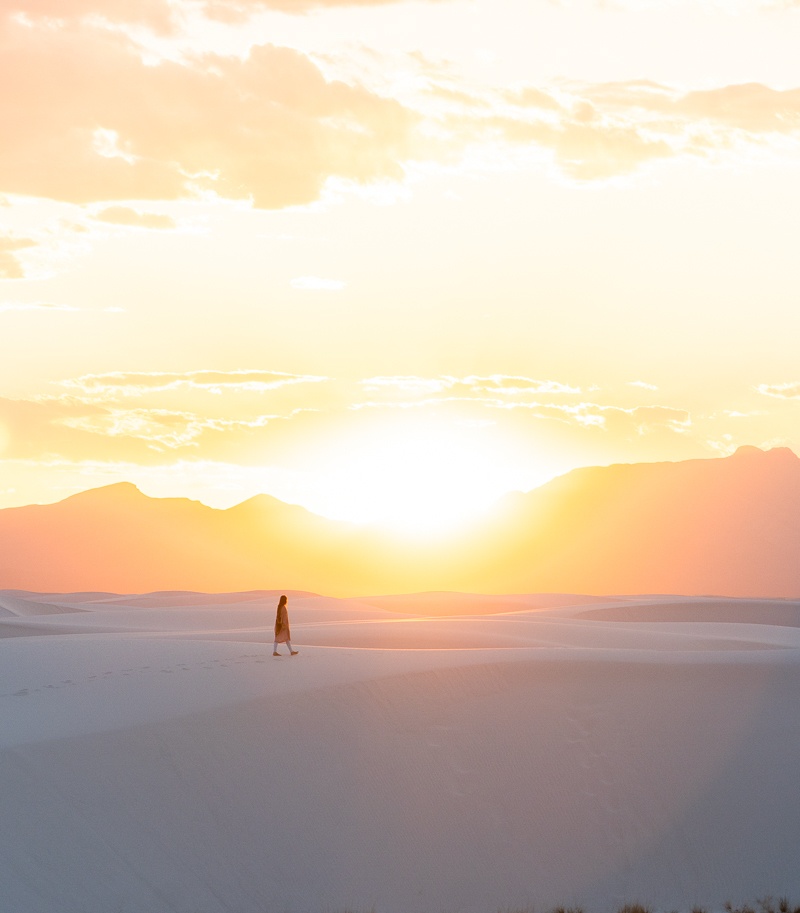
(10, 266)
(508, 385)
(72, 430)
(118, 385)
(622, 422)
(162, 429)
(618, 421)
(88, 122)
(35, 430)
(751, 107)
(158, 419)
(123, 215)
(472, 386)
(164, 16)
(159, 428)
(583, 150)
(315, 284)
(106, 421)
(132, 416)
(590, 152)
(648, 418)
(234, 10)
(531, 97)
(34, 306)
(157, 14)
(780, 391)
(210, 412)
(598, 131)
(457, 96)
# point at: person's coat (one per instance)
(282, 634)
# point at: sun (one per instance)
(416, 478)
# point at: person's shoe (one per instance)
(276, 654)
(294, 653)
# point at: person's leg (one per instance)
(275, 649)
(292, 651)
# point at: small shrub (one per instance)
(634, 908)
(745, 908)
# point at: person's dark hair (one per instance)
(282, 601)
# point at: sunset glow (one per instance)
(392, 260)
(414, 478)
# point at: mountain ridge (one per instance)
(723, 526)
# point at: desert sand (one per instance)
(437, 752)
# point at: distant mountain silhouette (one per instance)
(726, 526)
(116, 538)
(720, 526)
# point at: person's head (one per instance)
(282, 601)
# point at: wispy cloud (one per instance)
(217, 414)
(10, 265)
(34, 306)
(164, 16)
(509, 385)
(488, 388)
(120, 385)
(621, 420)
(158, 428)
(157, 14)
(123, 215)
(780, 391)
(598, 131)
(227, 414)
(163, 429)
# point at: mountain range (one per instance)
(725, 526)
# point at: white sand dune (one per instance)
(414, 757)
(14, 606)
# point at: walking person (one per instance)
(282, 633)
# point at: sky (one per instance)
(391, 260)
